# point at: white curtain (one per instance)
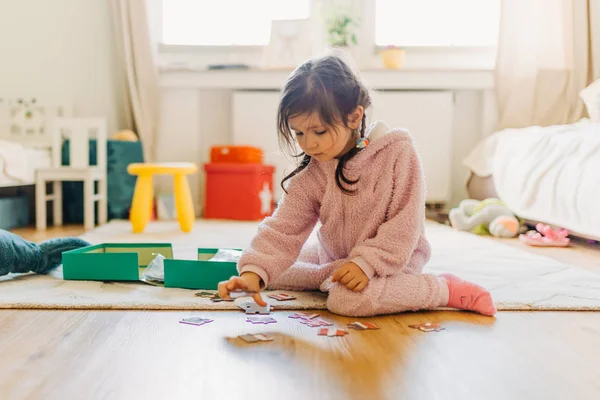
(132, 31)
(544, 61)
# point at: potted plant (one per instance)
(340, 30)
(392, 57)
(341, 27)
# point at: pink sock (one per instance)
(468, 296)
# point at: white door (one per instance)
(428, 116)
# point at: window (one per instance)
(422, 23)
(226, 22)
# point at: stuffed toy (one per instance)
(125, 135)
(17, 255)
(487, 217)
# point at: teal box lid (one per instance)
(201, 274)
(112, 261)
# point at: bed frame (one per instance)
(25, 120)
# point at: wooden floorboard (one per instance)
(149, 355)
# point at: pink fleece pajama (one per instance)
(380, 228)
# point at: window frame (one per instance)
(474, 57)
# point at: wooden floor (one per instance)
(149, 355)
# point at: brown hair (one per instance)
(327, 86)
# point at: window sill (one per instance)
(379, 79)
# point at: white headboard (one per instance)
(25, 120)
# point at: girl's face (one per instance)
(323, 142)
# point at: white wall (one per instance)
(193, 120)
(595, 30)
(62, 49)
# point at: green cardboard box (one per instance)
(201, 274)
(111, 261)
(123, 261)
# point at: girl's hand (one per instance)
(351, 276)
(248, 281)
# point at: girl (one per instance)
(365, 187)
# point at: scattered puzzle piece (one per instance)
(219, 299)
(195, 321)
(248, 338)
(261, 319)
(252, 308)
(214, 297)
(206, 295)
(281, 296)
(362, 326)
(427, 327)
(257, 337)
(304, 316)
(332, 331)
(263, 338)
(315, 322)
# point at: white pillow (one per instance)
(591, 97)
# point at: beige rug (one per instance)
(518, 280)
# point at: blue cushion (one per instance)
(120, 183)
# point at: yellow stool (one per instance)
(142, 197)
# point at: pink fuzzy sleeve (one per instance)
(280, 237)
(396, 240)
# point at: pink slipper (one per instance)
(553, 233)
(551, 237)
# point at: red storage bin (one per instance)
(236, 154)
(239, 191)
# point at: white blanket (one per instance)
(546, 174)
(15, 161)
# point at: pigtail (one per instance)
(339, 171)
(303, 164)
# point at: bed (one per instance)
(544, 174)
(25, 143)
(34, 158)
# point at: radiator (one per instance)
(428, 115)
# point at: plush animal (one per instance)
(487, 217)
(17, 255)
(125, 135)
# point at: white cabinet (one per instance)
(428, 115)
(254, 123)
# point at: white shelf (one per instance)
(375, 79)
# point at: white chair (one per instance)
(79, 131)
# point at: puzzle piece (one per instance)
(206, 295)
(281, 296)
(263, 338)
(214, 297)
(252, 308)
(332, 331)
(248, 338)
(261, 319)
(257, 337)
(362, 326)
(303, 316)
(195, 321)
(219, 299)
(315, 322)
(427, 327)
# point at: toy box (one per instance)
(236, 154)
(200, 274)
(125, 262)
(239, 191)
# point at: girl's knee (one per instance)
(347, 303)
